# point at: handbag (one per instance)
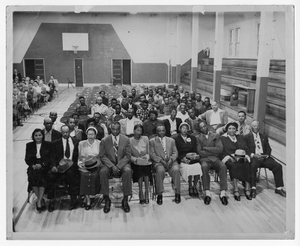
(193, 158)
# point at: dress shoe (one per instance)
(142, 201)
(253, 193)
(159, 200)
(125, 205)
(43, 204)
(207, 200)
(39, 209)
(237, 196)
(248, 194)
(224, 200)
(280, 192)
(177, 198)
(195, 191)
(191, 192)
(88, 207)
(51, 206)
(107, 205)
(73, 205)
(83, 204)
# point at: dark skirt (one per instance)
(90, 182)
(141, 171)
(36, 178)
(239, 170)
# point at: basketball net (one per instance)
(75, 49)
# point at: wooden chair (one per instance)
(266, 176)
(70, 83)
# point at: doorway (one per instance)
(121, 71)
(78, 73)
(34, 68)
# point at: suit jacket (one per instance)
(213, 146)
(157, 152)
(185, 147)
(107, 154)
(207, 116)
(105, 100)
(55, 135)
(58, 149)
(229, 147)
(150, 127)
(126, 106)
(168, 126)
(45, 152)
(249, 139)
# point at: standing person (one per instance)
(260, 150)
(38, 158)
(115, 156)
(209, 147)
(89, 166)
(172, 123)
(163, 153)
(141, 164)
(238, 169)
(64, 167)
(187, 143)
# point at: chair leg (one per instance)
(258, 175)
(267, 178)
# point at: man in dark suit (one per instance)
(172, 123)
(209, 146)
(64, 148)
(115, 157)
(258, 144)
(50, 134)
(163, 153)
(151, 124)
(129, 104)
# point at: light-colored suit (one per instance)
(108, 158)
(157, 154)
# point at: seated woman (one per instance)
(89, 165)
(186, 143)
(74, 132)
(237, 170)
(38, 158)
(141, 165)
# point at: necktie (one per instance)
(116, 148)
(241, 130)
(257, 143)
(67, 153)
(164, 148)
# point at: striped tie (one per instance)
(164, 148)
(241, 130)
(116, 148)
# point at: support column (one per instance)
(218, 56)
(263, 67)
(195, 50)
(178, 51)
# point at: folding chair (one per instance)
(70, 83)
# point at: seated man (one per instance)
(50, 134)
(207, 105)
(83, 108)
(118, 115)
(209, 146)
(216, 118)
(143, 112)
(128, 123)
(129, 104)
(193, 122)
(56, 125)
(78, 125)
(165, 108)
(163, 154)
(151, 124)
(115, 156)
(111, 110)
(99, 107)
(172, 123)
(182, 114)
(123, 99)
(260, 149)
(66, 151)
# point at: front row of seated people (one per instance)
(86, 166)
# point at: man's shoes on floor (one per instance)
(73, 205)
(125, 205)
(224, 200)
(253, 193)
(107, 205)
(51, 206)
(280, 192)
(159, 200)
(177, 198)
(207, 200)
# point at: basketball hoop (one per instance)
(75, 49)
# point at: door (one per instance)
(78, 73)
(34, 68)
(126, 72)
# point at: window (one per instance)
(230, 42)
(234, 42)
(237, 42)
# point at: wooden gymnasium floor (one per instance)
(263, 217)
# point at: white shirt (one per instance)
(258, 146)
(183, 117)
(38, 148)
(99, 109)
(48, 135)
(115, 139)
(173, 128)
(215, 118)
(129, 126)
(71, 147)
(184, 138)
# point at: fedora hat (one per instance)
(90, 162)
(240, 154)
(64, 165)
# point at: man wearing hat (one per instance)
(64, 167)
(115, 156)
(209, 147)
